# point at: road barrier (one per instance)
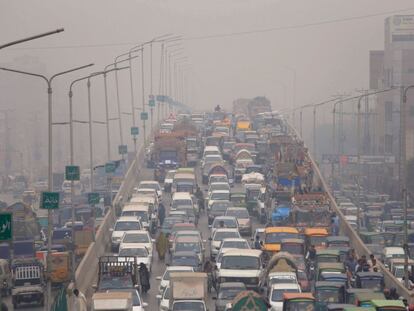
(356, 242)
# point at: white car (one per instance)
(282, 278)
(230, 244)
(151, 185)
(218, 195)
(122, 225)
(217, 178)
(165, 278)
(140, 252)
(218, 186)
(137, 303)
(218, 236)
(164, 299)
(224, 222)
(137, 238)
(276, 294)
(243, 219)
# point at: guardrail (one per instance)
(87, 270)
(356, 242)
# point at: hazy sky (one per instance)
(327, 59)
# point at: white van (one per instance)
(138, 210)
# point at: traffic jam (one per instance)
(231, 215)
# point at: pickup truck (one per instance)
(188, 291)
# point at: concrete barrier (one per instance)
(356, 242)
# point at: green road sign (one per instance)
(151, 103)
(49, 200)
(110, 167)
(6, 223)
(144, 116)
(122, 149)
(72, 172)
(93, 198)
(134, 130)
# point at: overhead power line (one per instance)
(231, 34)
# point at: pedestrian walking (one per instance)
(161, 245)
(144, 278)
(161, 213)
(79, 301)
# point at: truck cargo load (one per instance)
(113, 301)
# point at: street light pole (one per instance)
(50, 170)
(31, 38)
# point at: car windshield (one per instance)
(150, 186)
(188, 306)
(169, 222)
(220, 236)
(167, 274)
(239, 213)
(220, 206)
(240, 262)
(182, 202)
(219, 186)
(115, 282)
(135, 238)
(301, 305)
(327, 295)
(142, 214)
(229, 293)
(184, 261)
(235, 244)
(212, 159)
(127, 226)
(220, 196)
(293, 248)
(277, 294)
(182, 246)
(277, 237)
(284, 279)
(225, 223)
(137, 252)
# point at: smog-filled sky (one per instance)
(235, 48)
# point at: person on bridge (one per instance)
(161, 213)
(79, 300)
(144, 277)
(162, 245)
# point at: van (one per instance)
(139, 210)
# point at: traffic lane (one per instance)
(158, 266)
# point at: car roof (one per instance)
(149, 182)
(218, 218)
(127, 218)
(135, 207)
(221, 191)
(243, 252)
(137, 245)
(234, 240)
(181, 195)
(232, 285)
(285, 286)
(179, 268)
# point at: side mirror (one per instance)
(153, 240)
(158, 278)
(158, 297)
(111, 229)
(144, 304)
(210, 226)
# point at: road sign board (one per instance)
(72, 172)
(134, 130)
(161, 98)
(122, 149)
(110, 167)
(6, 226)
(49, 200)
(144, 116)
(93, 198)
(151, 101)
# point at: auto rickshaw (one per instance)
(252, 193)
(327, 293)
(316, 236)
(293, 246)
(327, 255)
(343, 252)
(350, 294)
(338, 306)
(5, 278)
(363, 299)
(372, 280)
(388, 305)
(337, 241)
(324, 267)
(298, 302)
